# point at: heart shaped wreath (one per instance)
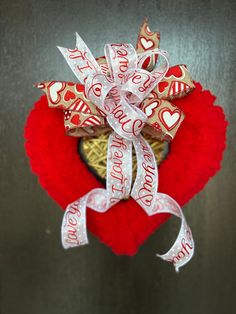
(129, 92)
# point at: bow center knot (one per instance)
(119, 92)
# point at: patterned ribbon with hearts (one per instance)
(120, 94)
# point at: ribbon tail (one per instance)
(145, 194)
(147, 40)
(80, 59)
(119, 178)
(182, 250)
(74, 227)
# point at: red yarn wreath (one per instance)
(194, 157)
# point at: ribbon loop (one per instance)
(141, 82)
(120, 58)
(159, 69)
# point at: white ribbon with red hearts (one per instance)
(118, 96)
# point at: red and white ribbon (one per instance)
(118, 96)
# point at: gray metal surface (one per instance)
(37, 275)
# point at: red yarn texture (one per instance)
(194, 157)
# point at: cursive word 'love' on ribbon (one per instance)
(122, 93)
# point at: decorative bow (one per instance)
(129, 92)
